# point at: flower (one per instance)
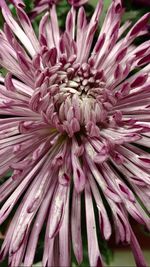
(74, 124)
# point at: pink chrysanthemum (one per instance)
(73, 123)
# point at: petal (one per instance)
(76, 227)
(64, 238)
(138, 255)
(93, 250)
(58, 208)
(16, 28)
(38, 224)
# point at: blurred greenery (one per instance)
(3, 72)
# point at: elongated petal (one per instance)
(139, 258)
(94, 254)
(76, 227)
(57, 208)
(64, 237)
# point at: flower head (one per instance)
(73, 124)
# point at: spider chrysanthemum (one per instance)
(73, 124)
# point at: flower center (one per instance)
(73, 96)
